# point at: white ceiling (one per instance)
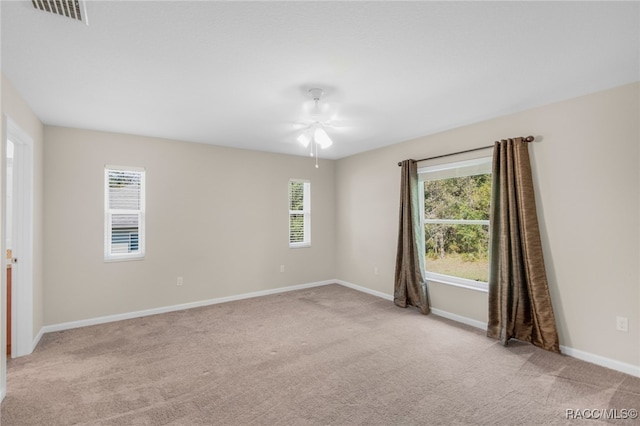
(237, 73)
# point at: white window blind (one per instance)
(124, 213)
(299, 213)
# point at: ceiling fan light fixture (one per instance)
(321, 138)
(304, 139)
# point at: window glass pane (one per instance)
(125, 233)
(458, 250)
(296, 195)
(458, 198)
(124, 189)
(296, 228)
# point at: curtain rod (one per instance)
(527, 139)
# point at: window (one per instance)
(124, 213)
(456, 222)
(299, 213)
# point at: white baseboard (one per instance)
(613, 364)
(575, 353)
(172, 308)
(459, 318)
(365, 290)
(435, 311)
(37, 339)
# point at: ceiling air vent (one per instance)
(73, 9)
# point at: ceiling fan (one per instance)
(313, 133)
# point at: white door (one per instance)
(20, 221)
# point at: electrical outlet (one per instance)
(179, 281)
(281, 268)
(376, 271)
(622, 324)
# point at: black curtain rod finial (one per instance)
(411, 159)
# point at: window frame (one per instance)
(139, 254)
(451, 170)
(305, 212)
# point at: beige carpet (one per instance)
(327, 355)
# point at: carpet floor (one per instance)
(321, 356)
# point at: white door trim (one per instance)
(22, 292)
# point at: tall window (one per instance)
(299, 213)
(124, 213)
(456, 222)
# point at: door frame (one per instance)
(22, 239)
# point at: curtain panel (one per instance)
(519, 300)
(410, 286)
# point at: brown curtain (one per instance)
(410, 286)
(519, 301)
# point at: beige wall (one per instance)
(585, 163)
(216, 216)
(15, 107)
(202, 226)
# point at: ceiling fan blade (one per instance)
(340, 125)
(300, 125)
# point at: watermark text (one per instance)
(601, 413)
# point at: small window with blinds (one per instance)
(299, 213)
(124, 213)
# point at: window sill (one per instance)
(301, 245)
(122, 259)
(457, 282)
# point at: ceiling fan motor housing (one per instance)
(316, 93)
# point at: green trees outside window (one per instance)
(457, 226)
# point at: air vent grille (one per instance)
(69, 8)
